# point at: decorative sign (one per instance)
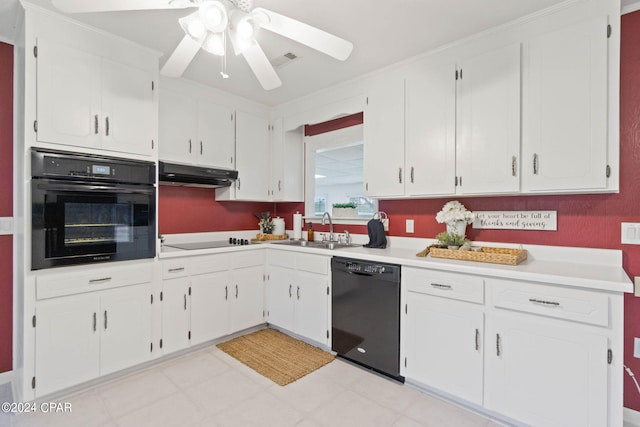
(517, 220)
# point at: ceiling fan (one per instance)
(216, 24)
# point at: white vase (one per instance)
(458, 227)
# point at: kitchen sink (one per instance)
(319, 244)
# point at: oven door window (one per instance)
(80, 226)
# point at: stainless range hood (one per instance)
(195, 176)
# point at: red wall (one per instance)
(6, 205)
(194, 210)
(583, 220)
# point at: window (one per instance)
(334, 172)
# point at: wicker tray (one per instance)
(262, 237)
(491, 255)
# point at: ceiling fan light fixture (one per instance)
(193, 26)
(214, 43)
(214, 16)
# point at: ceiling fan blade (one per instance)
(180, 58)
(303, 33)
(83, 6)
(261, 67)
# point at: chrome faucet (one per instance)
(326, 215)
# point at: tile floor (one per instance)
(210, 388)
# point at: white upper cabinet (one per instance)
(287, 163)
(216, 135)
(430, 155)
(384, 138)
(565, 109)
(88, 101)
(196, 131)
(488, 122)
(252, 160)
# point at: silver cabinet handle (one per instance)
(95, 321)
(399, 175)
(438, 285)
(200, 147)
(290, 294)
(298, 292)
(236, 291)
(105, 320)
(185, 301)
(543, 302)
(411, 174)
(100, 280)
(498, 350)
(189, 145)
(535, 164)
(514, 168)
(106, 128)
(226, 292)
(477, 339)
(176, 270)
(279, 185)
(238, 183)
(95, 124)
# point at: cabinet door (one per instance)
(489, 122)
(67, 342)
(565, 109)
(128, 109)
(287, 163)
(247, 307)
(177, 127)
(546, 373)
(216, 135)
(68, 96)
(384, 139)
(252, 157)
(209, 306)
(175, 314)
(311, 306)
(280, 297)
(431, 129)
(444, 345)
(125, 324)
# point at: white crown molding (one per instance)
(629, 6)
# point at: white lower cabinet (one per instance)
(535, 353)
(210, 296)
(545, 373)
(80, 337)
(298, 294)
(444, 347)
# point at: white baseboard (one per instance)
(631, 418)
(6, 377)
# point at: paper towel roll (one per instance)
(297, 225)
(278, 226)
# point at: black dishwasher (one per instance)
(365, 314)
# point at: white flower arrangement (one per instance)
(453, 212)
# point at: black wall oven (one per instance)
(88, 209)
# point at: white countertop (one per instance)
(599, 269)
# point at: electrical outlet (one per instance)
(636, 286)
(6, 225)
(636, 348)
(409, 226)
(630, 233)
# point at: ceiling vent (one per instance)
(283, 60)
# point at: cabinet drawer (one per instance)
(564, 303)
(247, 259)
(209, 264)
(56, 285)
(462, 287)
(312, 263)
(175, 268)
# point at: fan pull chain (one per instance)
(223, 58)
